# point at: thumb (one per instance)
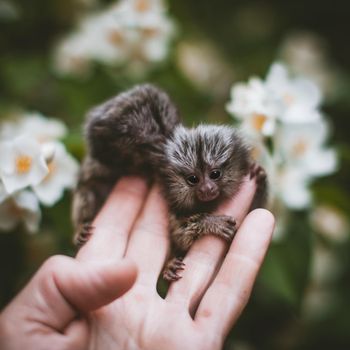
(91, 285)
(64, 287)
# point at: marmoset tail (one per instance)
(125, 135)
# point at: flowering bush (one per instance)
(288, 131)
(135, 33)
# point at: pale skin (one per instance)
(80, 303)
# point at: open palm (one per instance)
(199, 309)
(79, 304)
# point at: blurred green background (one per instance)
(301, 299)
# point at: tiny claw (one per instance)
(171, 276)
(254, 170)
(227, 237)
(84, 235)
(232, 222)
(172, 267)
(258, 172)
(88, 227)
(261, 176)
(181, 268)
(179, 265)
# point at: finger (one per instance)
(115, 220)
(149, 239)
(207, 253)
(64, 287)
(76, 335)
(93, 285)
(227, 296)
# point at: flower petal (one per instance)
(63, 174)
(35, 167)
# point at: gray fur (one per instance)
(197, 151)
(125, 135)
(139, 132)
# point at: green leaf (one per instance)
(286, 269)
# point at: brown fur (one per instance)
(138, 132)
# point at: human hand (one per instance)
(197, 312)
(133, 224)
(49, 312)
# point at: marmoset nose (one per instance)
(207, 192)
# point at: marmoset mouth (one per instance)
(207, 196)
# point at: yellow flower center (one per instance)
(150, 32)
(142, 5)
(116, 38)
(258, 121)
(23, 164)
(300, 148)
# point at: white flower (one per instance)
(34, 125)
(296, 98)
(252, 104)
(32, 157)
(287, 110)
(21, 207)
(63, 171)
(21, 163)
(306, 55)
(41, 128)
(141, 10)
(292, 186)
(72, 55)
(3, 193)
(129, 32)
(148, 27)
(261, 155)
(90, 42)
(260, 105)
(201, 63)
(302, 146)
(8, 129)
(289, 183)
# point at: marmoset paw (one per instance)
(228, 227)
(83, 234)
(170, 272)
(257, 172)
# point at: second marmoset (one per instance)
(138, 132)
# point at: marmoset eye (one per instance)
(192, 179)
(215, 174)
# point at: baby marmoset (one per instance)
(139, 132)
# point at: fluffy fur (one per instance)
(198, 151)
(138, 132)
(125, 135)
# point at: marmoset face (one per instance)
(204, 165)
